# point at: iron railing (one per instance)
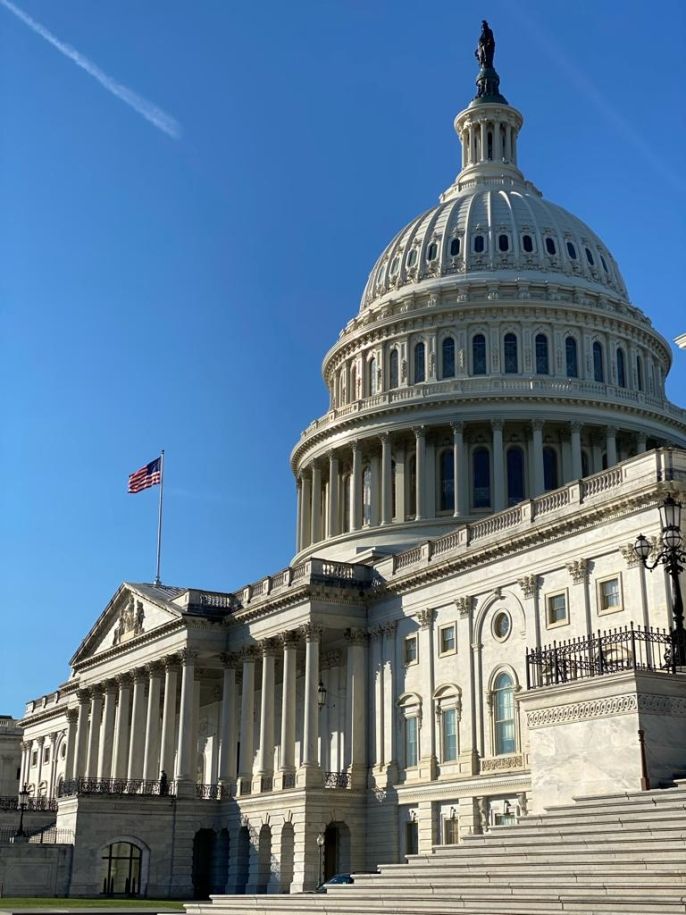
(117, 786)
(215, 792)
(289, 779)
(31, 804)
(336, 779)
(607, 652)
(50, 836)
(266, 783)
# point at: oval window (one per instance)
(394, 266)
(604, 263)
(502, 625)
(454, 247)
(503, 243)
(432, 251)
(479, 244)
(571, 250)
(550, 246)
(412, 258)
(528, 243)
(589, 257)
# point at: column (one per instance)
(484, 142)
(106, 748)
(289, 641)
(508, 142)
(537, 456)
(375, 506)
(459, 471)
(356, 489)
(247, 714)
(168, 738)
(316, 522)
(611, 446)
(498, 465)
(386, 479)
(377, 687)
(357, 707)
(25, 762)
(52, 775)
(575, 444)
(136, 743)
(420, 440)
(265, 761)
(298, 514)
(184, 762)
(306, 513)
(227, 723)
(641, 444)
(151, 758)
(72, 716)
(390, 731)
(334, 483)
(40, 743)
(425, 647)
(312, 635)
(94, 734)
(400, 484)
(121, 735)
(81, 735)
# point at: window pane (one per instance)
(447, 482)
(372, 381)
(557, 609)
(589, 257)
(482, 478)
(448, 354)
(393, 369)
(450, 832)
(515, 475)
(610, 593)
(447, 638)
(479, 354)
(410, 650)
(542, 364)
(411, 742)
(598, 366)
(503, 712)
(454, 247)
(639, 372)
(572, 358)
(550, 474)
(511, 366)
(621, 369)
(449, 734)
(419, 363)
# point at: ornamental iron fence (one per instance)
(337, 779)
(121, 787)
(289, 779)
(50, 836)
(215, 792)
(606, 652)
(31, 804)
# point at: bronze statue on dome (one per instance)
(486, 47)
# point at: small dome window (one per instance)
(412, 257)
(479, 244)
(528, 243)
(454, 247)
(604, 263)
(589, 257)
(395, 263)
(550, 246)
(432, 251)
(571, 250)
(503, 242)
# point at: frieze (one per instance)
(583, 711)
(498, 763)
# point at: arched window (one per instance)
(511, 362)
(432, 252)
(481, 475)
(571, 357)
(394, 495)
(550, 246)
(639, 373)
(504, 715)
(353, 384)
(550, 473)
(447, 481)
(372, 380)
(367, 495)
(454, 247)
(412, 487)
(585, 463)
(448, 358)
(121, 870)
(347, 490)
(419, 363)
(479, 244)
(478, 354)
(598, 362)
(542, 360)
(393, 369)
(621, 368)
(515, 475)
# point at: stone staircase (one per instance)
(609, 855)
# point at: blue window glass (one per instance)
(598, 362)
(448, 357)
(572, 359)
(454, 247)
(481, 471)
(410, 741)
(571, 250)
(550, 473)
(504, 715)
(447, 481)
(515, 475)
(639, 372)
(527, 243)
(479, 354)
(589, 257)
(621, 368)
(479, 244)
(503, 242)
(372, 378)
(449, 722)
(510, 346)
(550, 246)
(542, 361)
(393, 369)
(419, 363)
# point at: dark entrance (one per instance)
(121, 865)
(336, 850)
(242, 859)
(203, 855)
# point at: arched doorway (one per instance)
(287, 857)
(336, 849)
(203, 854)
(264, 858)
(221, 862)
(242, 859)
(121, 869)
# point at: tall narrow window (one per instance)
(448, 357)
(447, 484)
(511, 363)
(621, 368)
(394, 495)
(367, 495)
(572, 358)
(478, 354)
(412, 487)
(479, 244)
(585, 463)
(449, 729)
(393, 374)
(347, 490)
(503, 715)
(410, 742)
(515, 475)
(419, 363)
(542, 359)
(353, 384)
(372, 385)
(639, 373)
(550, 472)
(598, 362)
(481, 470)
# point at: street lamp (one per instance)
(321, 839)
(20, 835)
(673, 557)
(321, 695)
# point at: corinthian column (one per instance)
(420, 466)
(227, 725)
(106, 748)
(152, 724)
(356, 489)
(265, 761)
(94, 734)
(357, 708)
(310, 762)
(316, 525)
(498, 465)
(334, 482)
(537, 455)
(289, 640)
(169, 716)
(245, 763)
(137, 741)
(69, 773)
(184, 763)
(81, 734)
(386, 479)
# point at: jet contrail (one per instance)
(150, 112)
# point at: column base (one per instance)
(284, 780)
(469, 763)
(185, 788)
(309, 777)
(428, 768)
(358, 776)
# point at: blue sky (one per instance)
(180, 293)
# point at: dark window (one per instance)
(585, 464)
(121, 870)
(598, 362)
(504, 242)
(542, 361)
(571, 250)
(550, 474)
(394, 266)
(481, 471)
(447, 491)
(490, 144)
(412, 258)
(571, 358)
(589, 257)
(454, 247)
(432, 251)
(394, 496)
(479, 244)
(393, 369)
(511, 366)
(412, 488)
(604, 263)
(448, 357)
(621, 368)
(419, 363)
(550, 246)
(528, 243)
(479, 354)
(515, 475)
(639, 372)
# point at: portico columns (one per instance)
(94, 734)
(265, 762)
(184, 763)
(459, 468)
(227, 725)
(611, 446)
(316, 523)
(356, 489)
(72, 716)
(106, 748)
(357, 708)
(245, 763)
(152, 725)
(25, 765)
(81, 734)
(427, 760)
(389, 718)
(169, 716)
(386, 479)
(537, 456)
(135, 766)
(420, 439)
(575, 443)
(288, 703)
(121, 737)
(498, 465)
(39, 773)
(332, 514)
(310, 760)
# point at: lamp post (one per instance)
(673, 557)
(321, 839)
(321, 695)
(20, 835)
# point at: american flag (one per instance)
(145, 477)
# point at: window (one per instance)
(412, 487)
(621, 368)
(419, 363)
(503, 242)
(448, 358)
(511, 361)
(121, 869)
(447, 481)
(393, 369)
(515, 475)
(412, 257)
(639, 373)
(34, 758)
(571, 250)
(609, 595)
(454, 247)
(411, 837)
(598, 362)
(481, 475)
(410, 742)
(571, 356)
(394, 483)
(367, 495)
(503, 715)
(556, 609)
(479, 244)
(550, 472)
(542, 361)
(550, 246)
(372, 385)
(395, 263)
(432, 251)
(502, 624)
(353, 384)
(449, 734)
(46, 755)
(411, 649)
(527, 243)
(450, 831)
(447, 639)
(589, 257)
(479, 354)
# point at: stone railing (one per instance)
(337, 779)
(312, 571)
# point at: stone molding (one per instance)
(426, 618)
(464, 605)
(529, 584)
(607, 708)
(498, 763)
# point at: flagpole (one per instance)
(159, 521)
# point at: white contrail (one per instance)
(148, 110)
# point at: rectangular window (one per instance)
(447, 639)
(411, 649)
(556, 605)
(504, 819)
(449, 734)
(609, 595)
(34, 758)
(410, 742)
(411, 837)
(450, 832)
(46, 755)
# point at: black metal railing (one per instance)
(50, 836)
(336, 780)
(117, 786)
(607, 652)
(213, 792)
(289, 779)
(31, 804)
(266, 783)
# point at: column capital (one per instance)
(311, 632)
(419, 431)
(356, 448)
(576, 427)
(578, 569)
(611, 430)
(464, 605)
(356, 636)
(333, 456)
(154, 669)
(390, 627)
(289, 638)
(376, 633)
(171, 662)
(124, 680)
(384, 437)
(248, 654)
(109, 686)
(268, 648)
(426, 618)
(187, 656)
(537, 425)
(529, 585)
(230, 659)
(83, 696)
(457, 427)
(72, 715)
(497, 424)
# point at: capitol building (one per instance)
(497, 436)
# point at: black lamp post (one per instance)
(321, 695)
(321, 839)
(673, 557)
(20, 835)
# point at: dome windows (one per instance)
(542, 358)
(589, 257)
(393, 374)
(604, 263)
(454, 247)
(481, 476)
(571, 250)
(503, 243)
(479, 244)
(598, 362)
(551, 476)
(510, 354)
(528, 244)
(515, 475)
(571, 357)
(395, 264)
(419, 363)
(639, 372)
(621, 368)
(550, 246)
(478, 354)
(412, 257)
(447, 481)
(448, 358)
(432, 252)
